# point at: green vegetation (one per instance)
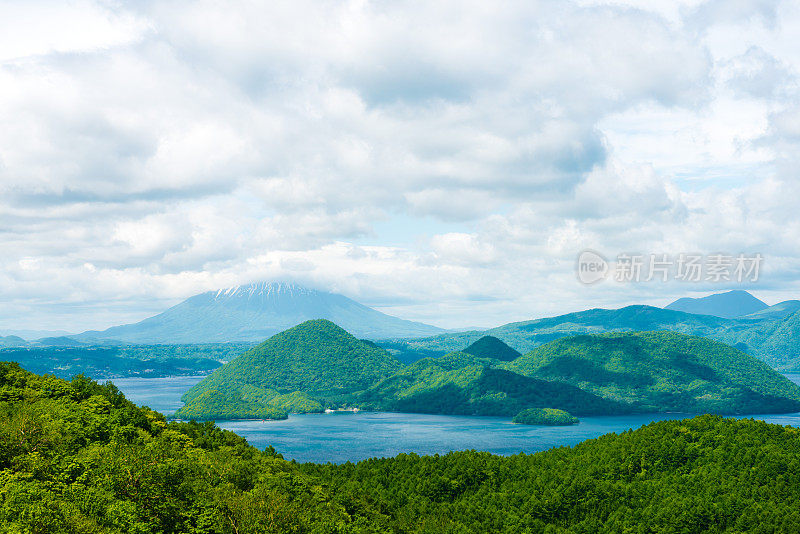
(108, 362)
(491, 347)
(663, 372)
(773, 338)
(544, 416)
(309, 367)
(317, 365)
(705, 474)
(462, 384)
(215, 405)
(77, 457)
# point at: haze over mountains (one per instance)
(255, 312)
(729, 305)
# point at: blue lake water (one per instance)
(352, 437)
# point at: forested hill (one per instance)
(491, 347)
(76, 457)
(290, 371)
(463, 384)
(663, 372)
(317, 365)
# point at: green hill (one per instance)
(663, 372)
(297, 370)
(463, 384)
(491, 347)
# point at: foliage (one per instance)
(77, 457)
(544, 416)
(303, 369)
(462, 384)
(491, 347)
(215, 405)
(706, 474)
(663, 372)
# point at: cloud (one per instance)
(149, 150)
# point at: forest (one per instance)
(318, 365)
(77, 457)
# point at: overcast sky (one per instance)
(444, 161)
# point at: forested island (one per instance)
(544, 416)
(317, 365)
(77, 457)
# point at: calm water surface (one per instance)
(353, 437)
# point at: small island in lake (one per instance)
(545, 416)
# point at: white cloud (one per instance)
(176, 147)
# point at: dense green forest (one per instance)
(544, 416)
(663, 372)
(77, 457)
(462, 384)
(491, 347)
(317, 365)
(305, 368)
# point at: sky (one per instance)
(442, 161)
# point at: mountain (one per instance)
(774, 340)
(777, 311)
(255, 312)
(30, 335)
(301, 369)
(663, 372)
(12, 341)
(491, 347)
(463, 384)
(728, 305)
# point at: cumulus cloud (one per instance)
(149, 150)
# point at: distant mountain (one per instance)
(297, 370)
(728, 305)
(491, 347)
(524, 336)
(663, 372)
(777, 311)
(30, 335)
(255, 312)
(12, 341)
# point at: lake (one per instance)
(356, 436)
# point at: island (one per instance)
(318, 366)
(545, 416)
